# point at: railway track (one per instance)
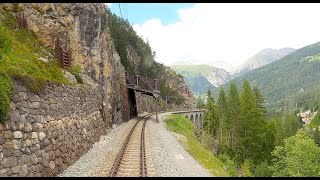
(131, 160)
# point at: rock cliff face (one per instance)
(218, 77)
(82, 28)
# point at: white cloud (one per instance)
(231, 33)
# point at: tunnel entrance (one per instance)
(132, 103)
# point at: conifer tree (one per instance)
(222, 115)
(247, 113)
(210, 121)
(233, 114)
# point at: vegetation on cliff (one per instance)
(123, 36)
(20, 52)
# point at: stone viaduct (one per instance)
(196, 116)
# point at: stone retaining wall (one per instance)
(49, 131)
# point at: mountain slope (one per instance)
(200, 78)
(264, 57)
(291, 82)
(199, 85)
(193, 70)
(218, 77)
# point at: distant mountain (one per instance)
(290, 82)
(218, 76)
(200, 78)
(264, 57)
(199, 85)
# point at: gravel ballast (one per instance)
(169, 158)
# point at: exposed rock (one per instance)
(34, 105)
(20, 126)
(70, 77)
(28, 143)
(3, 172)
(16, 144)
(17, 135)
(34, 135)
(1, 139)
(2, 127)
(9, 162)
(52, 165)
(15, 116)
(23, 170)
(8, 134)
(34, 98)
(27, 127)
(42, 135)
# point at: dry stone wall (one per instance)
(49, 131)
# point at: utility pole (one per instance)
(157, 120)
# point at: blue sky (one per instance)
(138, 13)
(224, 35)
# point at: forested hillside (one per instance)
(237, 129)
(138, 58)
(291, 82)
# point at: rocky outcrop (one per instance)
(177, 83)
(218, 77)
(82, 28)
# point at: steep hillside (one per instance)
(138, 58)
(193, 70)
(200, 78)
(292, 81)
(199, 85)
(264, 57)
(218, 77)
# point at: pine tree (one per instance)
(247, 115)
(233, 114)
(199, 103)
(223, 122)
(210, 122)
(260, 146)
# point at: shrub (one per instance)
(76, 71)
(6, 87)
(262, 170)
(230, 167)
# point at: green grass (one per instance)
(183, 126)
(20, 50)
(315, 121)
(193, 70)
(76, 71)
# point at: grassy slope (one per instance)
(181, 125)
(20, 54)
(20, 50)
(192, 70)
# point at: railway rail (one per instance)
(131, 159)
